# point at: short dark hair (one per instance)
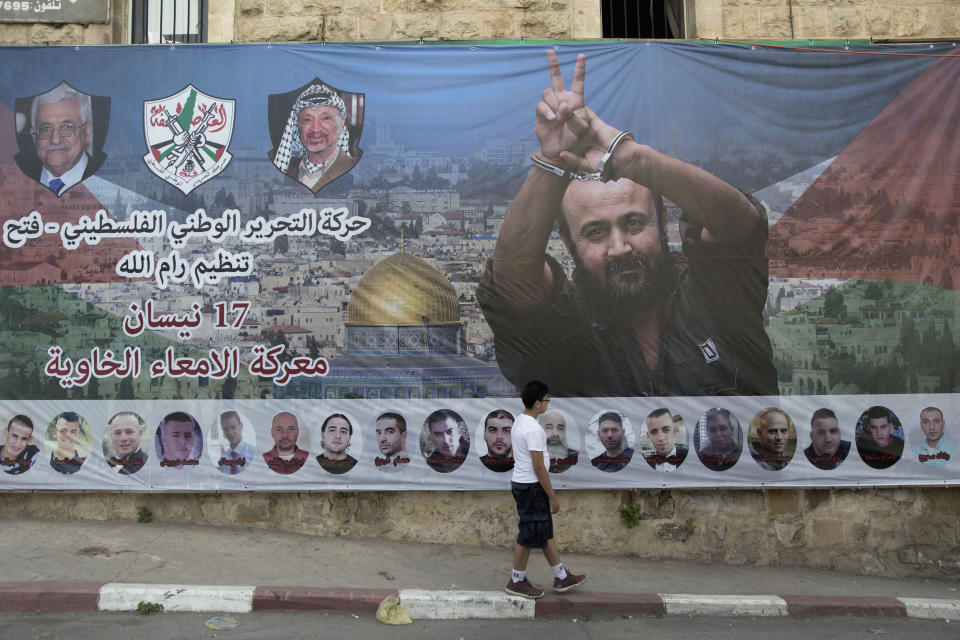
(330, 417)
(441, 415)
(875, 413)
(656, 413)
(822, 414)
(611, 416)
(533, 392)
(396, 417)
(933, 409)
(21, 420)
(497, 413)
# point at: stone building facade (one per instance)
(896, 532)
(391, 20)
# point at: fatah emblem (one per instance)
(187, 137)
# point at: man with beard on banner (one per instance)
(635, 319)
(496, 434)
(617, 450)
(314, 148)
(562, 457)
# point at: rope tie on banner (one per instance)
(846, 49)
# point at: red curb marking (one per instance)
(49, 596)
(361, 602)
(810, 606)
(649, 604)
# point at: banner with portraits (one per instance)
(333, 267)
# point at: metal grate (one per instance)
(662, 19)
(168, 21)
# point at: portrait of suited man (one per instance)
(123, 443)
(60, 134)
(663, 431)
(315, 131)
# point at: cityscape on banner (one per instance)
(427, 237)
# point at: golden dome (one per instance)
(403, 290)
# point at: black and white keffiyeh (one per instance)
(316, 95)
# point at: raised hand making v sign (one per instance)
(634, 319)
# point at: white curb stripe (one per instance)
(462, 605)
(684, 604)
(930, 609)
(125, 597)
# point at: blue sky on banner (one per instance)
(711, 104)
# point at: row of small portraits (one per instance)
(609, 438)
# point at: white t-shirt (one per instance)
(527, 436)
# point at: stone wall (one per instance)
(822, 19)
(890, 532)
(380, 20)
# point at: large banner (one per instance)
(333, 267)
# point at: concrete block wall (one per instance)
(889, 532)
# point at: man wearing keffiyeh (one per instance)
(314, 148)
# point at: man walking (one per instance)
(535, 498)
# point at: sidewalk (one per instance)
(54, 565)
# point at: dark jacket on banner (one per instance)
(769, 459)
(30, 164)
(496, 463)
(445, 464)
(341, 165)
(876, 456)
(67, 466)
(675, 459)
(129, 464)
(337, 466)
(712, 339)
(22, 462)
(717, 460)
(828, 462)
(603, 462)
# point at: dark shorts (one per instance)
(533, 507)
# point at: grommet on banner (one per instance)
(556, 46)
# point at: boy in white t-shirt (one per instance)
(535, 498)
